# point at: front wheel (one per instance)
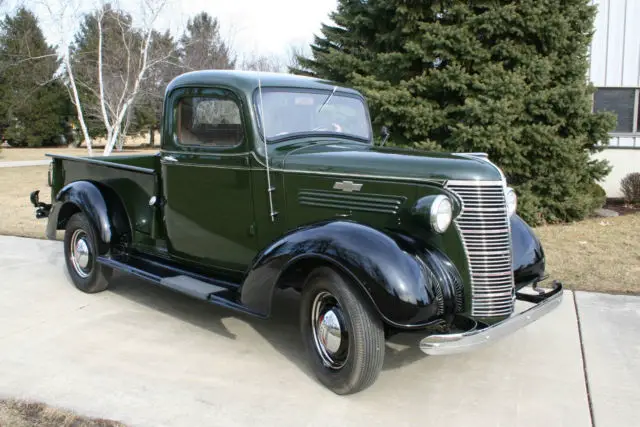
(343, 336)
(81, 248)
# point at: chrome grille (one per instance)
(486, 235)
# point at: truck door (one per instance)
(208, 210)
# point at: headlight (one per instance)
(440, 214)
(511, 199)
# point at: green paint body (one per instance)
(215, 212)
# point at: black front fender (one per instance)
(101, 205)
(408, 283)
(528, 261)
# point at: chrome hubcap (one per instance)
(329, 332)
(81, 253)
(330, 336)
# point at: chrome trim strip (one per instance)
(461, 342)
(440, 182)
(475, 183)
(197, 165)
(206, 153)
(353, 175)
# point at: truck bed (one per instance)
(135, 179)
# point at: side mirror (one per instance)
(384, 131)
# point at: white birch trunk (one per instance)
(103, 102)
(116, 130)
(76, 101)
(125, 130)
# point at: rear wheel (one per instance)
(81, 248)
(343, 336)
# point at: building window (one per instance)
(623, 102)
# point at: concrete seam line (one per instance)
(584, 360)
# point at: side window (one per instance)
(208, 121)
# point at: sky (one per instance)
(258, 27)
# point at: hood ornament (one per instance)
(347, 186)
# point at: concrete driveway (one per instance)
(22, 163)
(146, 356)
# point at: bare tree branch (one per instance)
(126, 76)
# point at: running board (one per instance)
(190, 286)
(218, 292)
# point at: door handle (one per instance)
(169, 159)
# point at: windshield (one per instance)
(290, 112)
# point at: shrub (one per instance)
(598, 194)
(630, 186)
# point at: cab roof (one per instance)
(248, 81)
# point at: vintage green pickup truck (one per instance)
(272, 181)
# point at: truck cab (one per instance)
(271, 181)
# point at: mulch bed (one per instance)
(621, 207)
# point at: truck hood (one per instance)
(381, 162)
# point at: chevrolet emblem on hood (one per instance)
(348, 186)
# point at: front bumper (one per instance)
(477, 338)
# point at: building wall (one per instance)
(624, 161)
(615, 49)
(615, 68)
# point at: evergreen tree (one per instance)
(35, 105)
(202, 47)
(504, 77)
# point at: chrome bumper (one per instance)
(471, 340)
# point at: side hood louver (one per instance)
(361, 202)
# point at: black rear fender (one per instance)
(99, 203)
(407, 283)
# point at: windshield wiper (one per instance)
(326, 101)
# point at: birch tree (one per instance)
(61, 15)
(151, 10)
(113, 58)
